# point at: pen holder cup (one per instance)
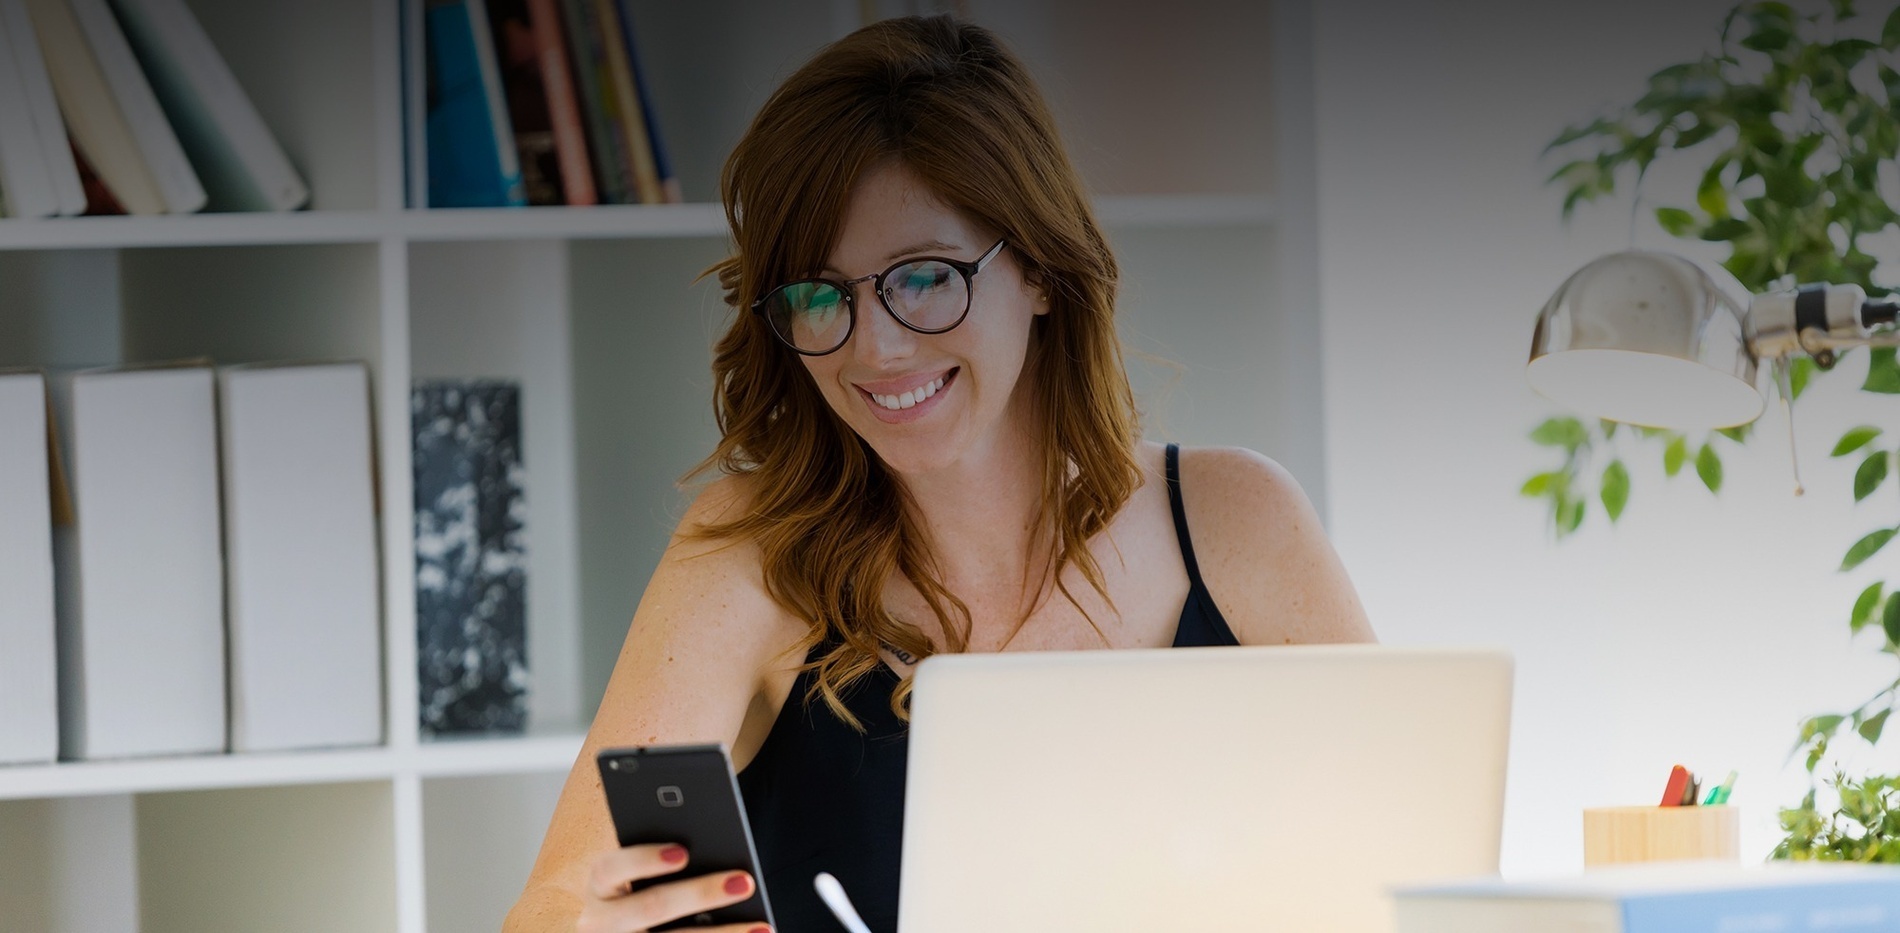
(1613, 835)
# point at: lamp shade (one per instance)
(1647, 338)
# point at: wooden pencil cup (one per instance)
(1613, 835)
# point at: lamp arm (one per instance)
(1818, 320)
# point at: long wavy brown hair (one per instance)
(951, 103)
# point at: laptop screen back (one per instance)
(1282, 788)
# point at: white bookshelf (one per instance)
(597, 312)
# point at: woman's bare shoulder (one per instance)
(1263, 552)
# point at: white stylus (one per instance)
(832, 893)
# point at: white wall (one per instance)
(1702, 629)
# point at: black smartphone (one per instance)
(685, 794)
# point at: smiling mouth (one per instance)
(914, 397)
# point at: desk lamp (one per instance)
(1656, 340)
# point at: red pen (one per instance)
(1678, 782)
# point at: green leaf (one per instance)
(1728, 228)
(1866, 605)
(1608, 427)
(1821, 726)
(1541, 485)
(1866, 547)
(1870, 728)
(1676, 221)
(1872, 472)
(1738, 434)
(1572, 134)
(1569, 516)
(1883, 373)
(1890, 620)
(1799, 372)
(1675, 454)
(1890, 33)
(1854, 440)
(1711, 196)
(1616, 489)
(1708, 465)
(1560, 432)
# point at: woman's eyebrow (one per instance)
(928, 246)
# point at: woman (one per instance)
(929, 445)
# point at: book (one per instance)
(48, 129)
(239, 161)
(472, 161)
(623, 104)
(613, 166)
(471, 556)
(100, 200)
(140, 574)
(518, 55)
(670, 191)
(564, 113)
(23, 171)
(158, 145)
(301, 573)
(1664, 897)
(94, 121)
(29, 697)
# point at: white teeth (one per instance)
(908, 399)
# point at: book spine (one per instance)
(143, 651)
(171, 170)
(613, 169)
(29, 731)
(564, 112)
(23, 175)
(243, 167)
(628, 117)
(300, 546)
(471, 556)
(670, 191)
(465, 167)
(97, 125)
(48, 128)
(512, 193)
(1852, 906)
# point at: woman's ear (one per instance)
(1037, 282)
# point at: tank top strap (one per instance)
(1180, 516)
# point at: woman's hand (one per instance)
(608, 907)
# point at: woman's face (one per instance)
(975, 367)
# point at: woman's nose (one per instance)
(878, 336)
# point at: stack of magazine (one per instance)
(125, 106)
(533, 102)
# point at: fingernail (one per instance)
(673, 854)
(738, 884)
(760, 930)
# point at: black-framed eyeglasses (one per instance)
(929, 295)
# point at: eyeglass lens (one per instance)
(814, 316)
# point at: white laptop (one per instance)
(1252, 788)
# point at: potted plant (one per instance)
(1792, 120)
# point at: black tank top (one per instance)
(822, 797)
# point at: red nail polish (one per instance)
(738, 884)
(673, 855)
(760, 930)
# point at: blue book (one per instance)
(669, 183)
(1667, 897)
(472, 160)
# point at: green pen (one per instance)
(1720, 793)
